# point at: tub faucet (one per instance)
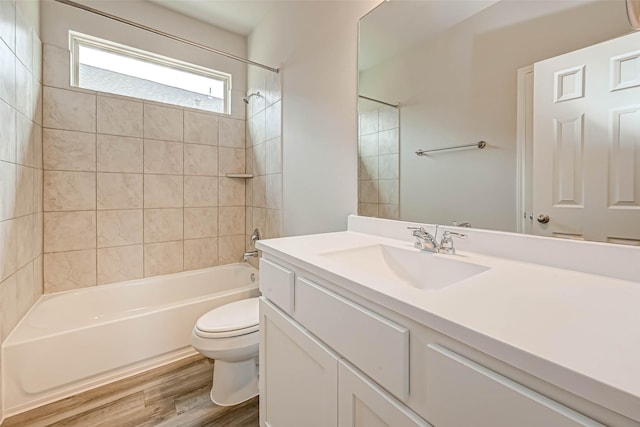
(251, 254)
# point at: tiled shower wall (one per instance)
(134, 188)
(20, 162)
(264, 155)
(379, 163)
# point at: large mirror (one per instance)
(438, 74)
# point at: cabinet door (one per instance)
(362, 403)
(298, 375)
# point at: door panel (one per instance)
(587, 143)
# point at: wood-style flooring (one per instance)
(169, 396)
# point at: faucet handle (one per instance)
(448, 233)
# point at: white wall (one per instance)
(58, 19)
(460, 87)
(315, 43)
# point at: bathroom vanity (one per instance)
(359, 328)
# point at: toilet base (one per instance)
(234, 382)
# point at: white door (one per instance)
(298, 375)
(587, 143)
(362, 403)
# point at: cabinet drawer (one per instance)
(277, 284)
(461, 393)
(377, 346)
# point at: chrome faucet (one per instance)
(427, 242)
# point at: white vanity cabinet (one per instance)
(330, 357)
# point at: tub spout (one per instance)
(248, 255)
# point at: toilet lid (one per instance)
(234, 316)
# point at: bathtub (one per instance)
(72, 341)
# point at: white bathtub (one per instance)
(76, 340)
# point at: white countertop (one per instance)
(576, 330)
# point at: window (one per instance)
(106, 66)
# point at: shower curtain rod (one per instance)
(378, 101)
(162, 33)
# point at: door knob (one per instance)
(543, 218)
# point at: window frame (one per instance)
(77, 39)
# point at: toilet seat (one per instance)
(233, 319)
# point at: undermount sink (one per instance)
(423, 270)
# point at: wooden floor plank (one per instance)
(173, 395)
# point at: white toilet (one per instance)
(230, 335)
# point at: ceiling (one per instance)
(237, 16)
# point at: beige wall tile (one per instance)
(56, 61)
(119, 154)
(389, 166)
(38, 231)
(69, 191)
(388, 118)
(38, 277)
(273, 156)
(273, 92)
(231, 133)
(248, 192)
(164, 191)
(24, 288)
(274, 191)
(388, 191)
(69, 231)
(24, 190)
(162, 123)
(231, 192)
(259, 159)
(389, 211)
(24, 235)
(389, 142)
(117, 116)
(259, 191)
(36, 145)
(24, 152)
(200, 160)
(368, 145)
(9, 304)
(7, 190)
(200, 253)
(273, 228)
(163, 157)
(231, 160)
(64, 271)
(273, 121)
(119, 227)
(38, 183)
(120, 264)
(200, 128)
(231, 220)
(8, 241)
(119, 191)
(163, 258)
(256, 127)
(163, 225)
(200, 222)
(248, 160)
(368, 191)
(23, 89)
(68, 150)
(368, 209)
(24, 41)
(7, 74)
(70, 110)
(368, 122)
(200, 191)
(8, 29)
(7, 131)
(230, 249)
(368, 167)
